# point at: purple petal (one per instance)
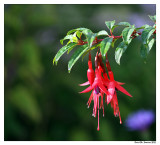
(140, 120)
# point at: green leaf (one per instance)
(74, 30)
(114, 27)
(142, 27)
(90, 38)
(71, 31)
(101, 33)
(65, 38)
(120, 24)
(146, 34)
(86, 31)
(119, 51)
(78, 33)
(76, 55)
(105, 45)
(124, 24)
(145, 48)
(72, 38)
(153, 18)
(81, 29)
(62, 51)
(70, 48)
(126, 34)
(150, 44)
(110, 24)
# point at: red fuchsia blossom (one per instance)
(102, 85)
(112, 95)
(112, 86)
(97, 82)
(98, 89)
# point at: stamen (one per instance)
(98, 115)
(93, 114)
(120, 118)
(103, 110)
(116, 111)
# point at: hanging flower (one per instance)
(101, 85)
(112, 86)
(97, 90)
(97, 80)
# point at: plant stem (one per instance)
(81, 42)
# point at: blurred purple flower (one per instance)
(140, 120)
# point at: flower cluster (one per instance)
(102, 86)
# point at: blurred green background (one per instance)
(42, 102)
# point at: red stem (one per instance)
(108, 64)
(81, 42)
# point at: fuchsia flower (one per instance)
(112, 86)
(98, 82)
(102, 85)
(97, 87)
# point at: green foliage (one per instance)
(62, 51)
(142, 27)
(119, 51)
(153, 18)
(102, 33)
(145, 48)
(90, 38)
(128, 33)
(121, 24)
(147, 41)
(74, 30)
(146, 34)
(110, 24)
(72, 38)
(76, 55)
(105, 45)
(124, 24)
